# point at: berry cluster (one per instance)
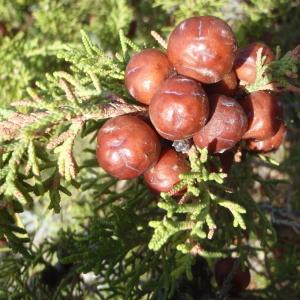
(192, 93)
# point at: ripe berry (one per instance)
(145, 72)
(272, 143)
(3, 243)
(179, 108)
(127, 147)
(227, 86)
(264, 114)
(240, 279)
(245, 62)
(226, 126)
(165, 173)
(3, 30)
(202, 48)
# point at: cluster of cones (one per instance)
(193, 93)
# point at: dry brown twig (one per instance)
(227, 282)
(196, 250)
(159, 39)
(184, 199)
(11, 128)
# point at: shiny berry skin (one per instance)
(227, 86)
(272, 143)
(202, 48)
(245, 61)
(179, 108)
(145, 72)
(127, 147)
(226, 126)
(264, 115)
(240, 280)
(165, 173)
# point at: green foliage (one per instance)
(21, 64)
(270, 21)
(109, 16)
(60, 92)
(181, 10)
(200, 186)
(278, 74)
(14, 10)
(63, 12)
(35, 35)
(41, 160)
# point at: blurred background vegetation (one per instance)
(31, 33)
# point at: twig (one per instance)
(283, 216)
(227, 282)
(277, 87)
(184, 199)
(113, 110)
(11, 128)
(196, 250)
(159, 39)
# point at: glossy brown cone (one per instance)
(145, 72)
(226, 126)
(245, 62)
(127, 147)
(273, 143)
(240, 279)
(264, 115)
(165, 173)
(227, 86)
(202, 48)
(179, 109)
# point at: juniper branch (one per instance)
(198, 213)
(277, 75)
